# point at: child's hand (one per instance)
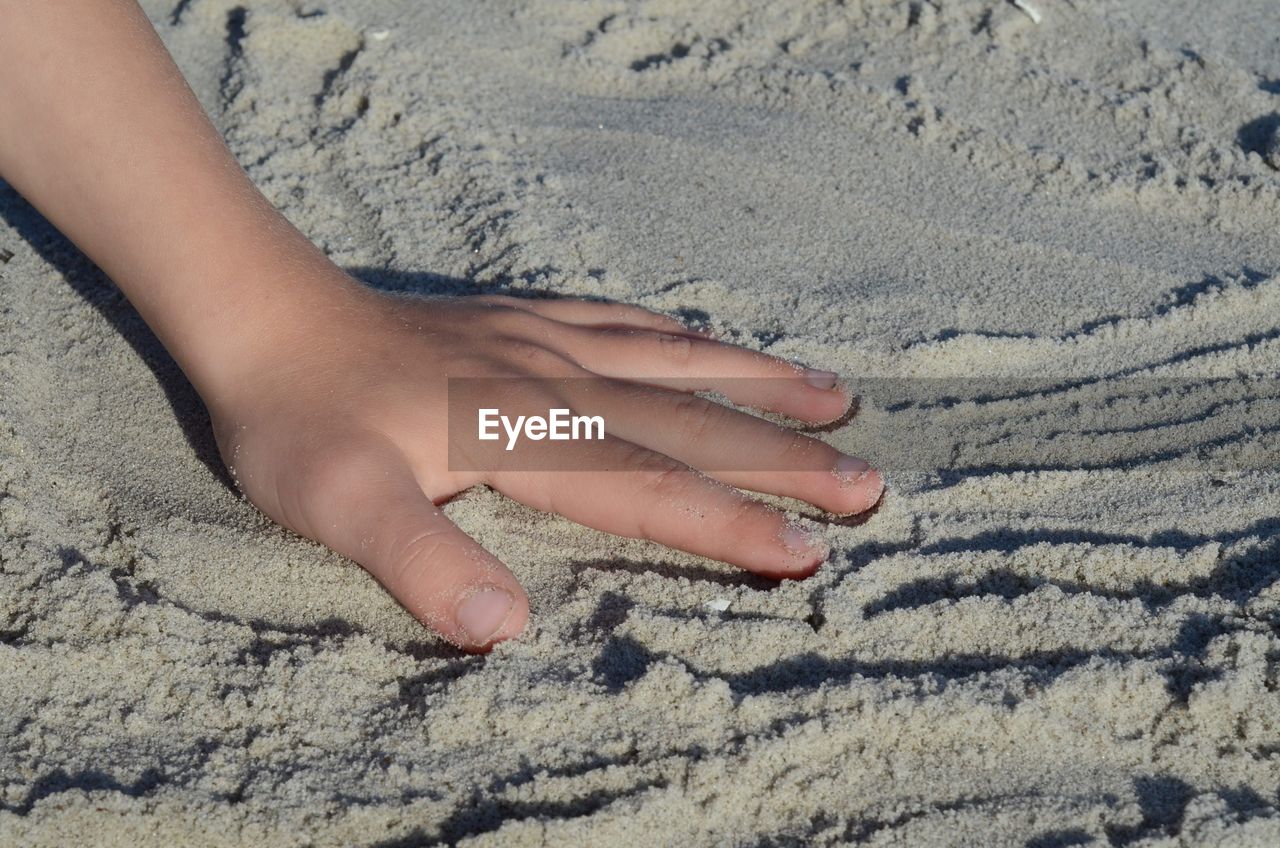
(343, 439)
(330, 401)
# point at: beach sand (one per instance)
(1013, 650)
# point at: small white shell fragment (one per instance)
(379, 35)
(1031, 11)
(718, 604)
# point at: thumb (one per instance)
(371, 509)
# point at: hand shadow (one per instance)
(88, 281)
(99, 292)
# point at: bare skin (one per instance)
(328, 399)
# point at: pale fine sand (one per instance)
(1004, 654)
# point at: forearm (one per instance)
(99, 130)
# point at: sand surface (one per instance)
(1022, 649)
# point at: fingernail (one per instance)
(801, 541)
(483, 614)
(820, 379)
(850, 470)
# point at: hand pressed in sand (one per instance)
(344, 441)
(329, 400)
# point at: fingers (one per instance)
(737, 448)
(660, 499)
(596, 314)
(688, 363)
(629, 342)
(367, 506)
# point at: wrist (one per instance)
(257, 317)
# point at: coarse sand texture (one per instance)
(1075, 644)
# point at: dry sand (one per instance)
(1043, 657)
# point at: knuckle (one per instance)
(320, 478)
(519, 349)
(335, 464)
(661, 477)
(660, 481)
(533, 397)
(410, 557)
(511, 318)
(675, 349)
(744, 517)
(661, 486)
(693, 418)
(534, 357)
(646, 318)
(665, 482)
